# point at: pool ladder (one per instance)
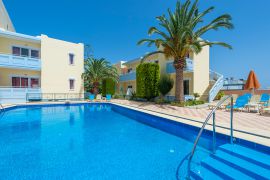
(1, 108)
(212, 114)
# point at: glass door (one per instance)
(186, 87)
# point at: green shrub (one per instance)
(116, 96)
(161, 101)
(165, 84)
(147, 77)
(188, 103)
(220, 95)
(108, 86)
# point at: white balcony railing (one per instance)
(15, 95)
(11, 61)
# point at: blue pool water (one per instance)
(106, 141)
(97, 141)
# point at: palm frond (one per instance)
(97, 69)
(217, 43)
(181, 30)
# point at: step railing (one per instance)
(219, 78)
(1, 107)
(30, 97)
(213, 115)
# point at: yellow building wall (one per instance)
(201, 72)
(162, 63)
(187, 76)
(7, 43)
(5, 21)
(6, 74)
(56, 70)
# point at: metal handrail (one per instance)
(2, 108)
(212, 113)
(54, 96)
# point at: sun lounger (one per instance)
(240, 103)
(254, 103)
(265, 99)
(265, 110)
(248, 95)
(99, 98)
(108, 97)
(91, 97)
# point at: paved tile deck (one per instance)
(245, 122)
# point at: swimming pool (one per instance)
(93, 141)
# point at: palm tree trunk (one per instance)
(179, 84)
(96, 85)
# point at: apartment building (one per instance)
(36, 64)
(198, 78)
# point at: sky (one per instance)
(113, 28)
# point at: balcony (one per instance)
(131, 76)
(15, 95)
(19, 62)
(170, 68)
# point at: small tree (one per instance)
(220, 95)
(147, 77)
(95, 70)
(165, 85)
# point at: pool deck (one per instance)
(249, 126)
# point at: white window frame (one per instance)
(26, 47)
(71, 64)
(73, 84)
(24, 76)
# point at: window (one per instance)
(16, 81)
(71, 84)
(71, 58)
(186, 87)
(34, 82)
(34, 54)
(24, 82)
(16, 51)
(25, 52)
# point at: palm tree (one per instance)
(95, 70)
(179, 36)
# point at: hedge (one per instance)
(108, 87)
(147, 77)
